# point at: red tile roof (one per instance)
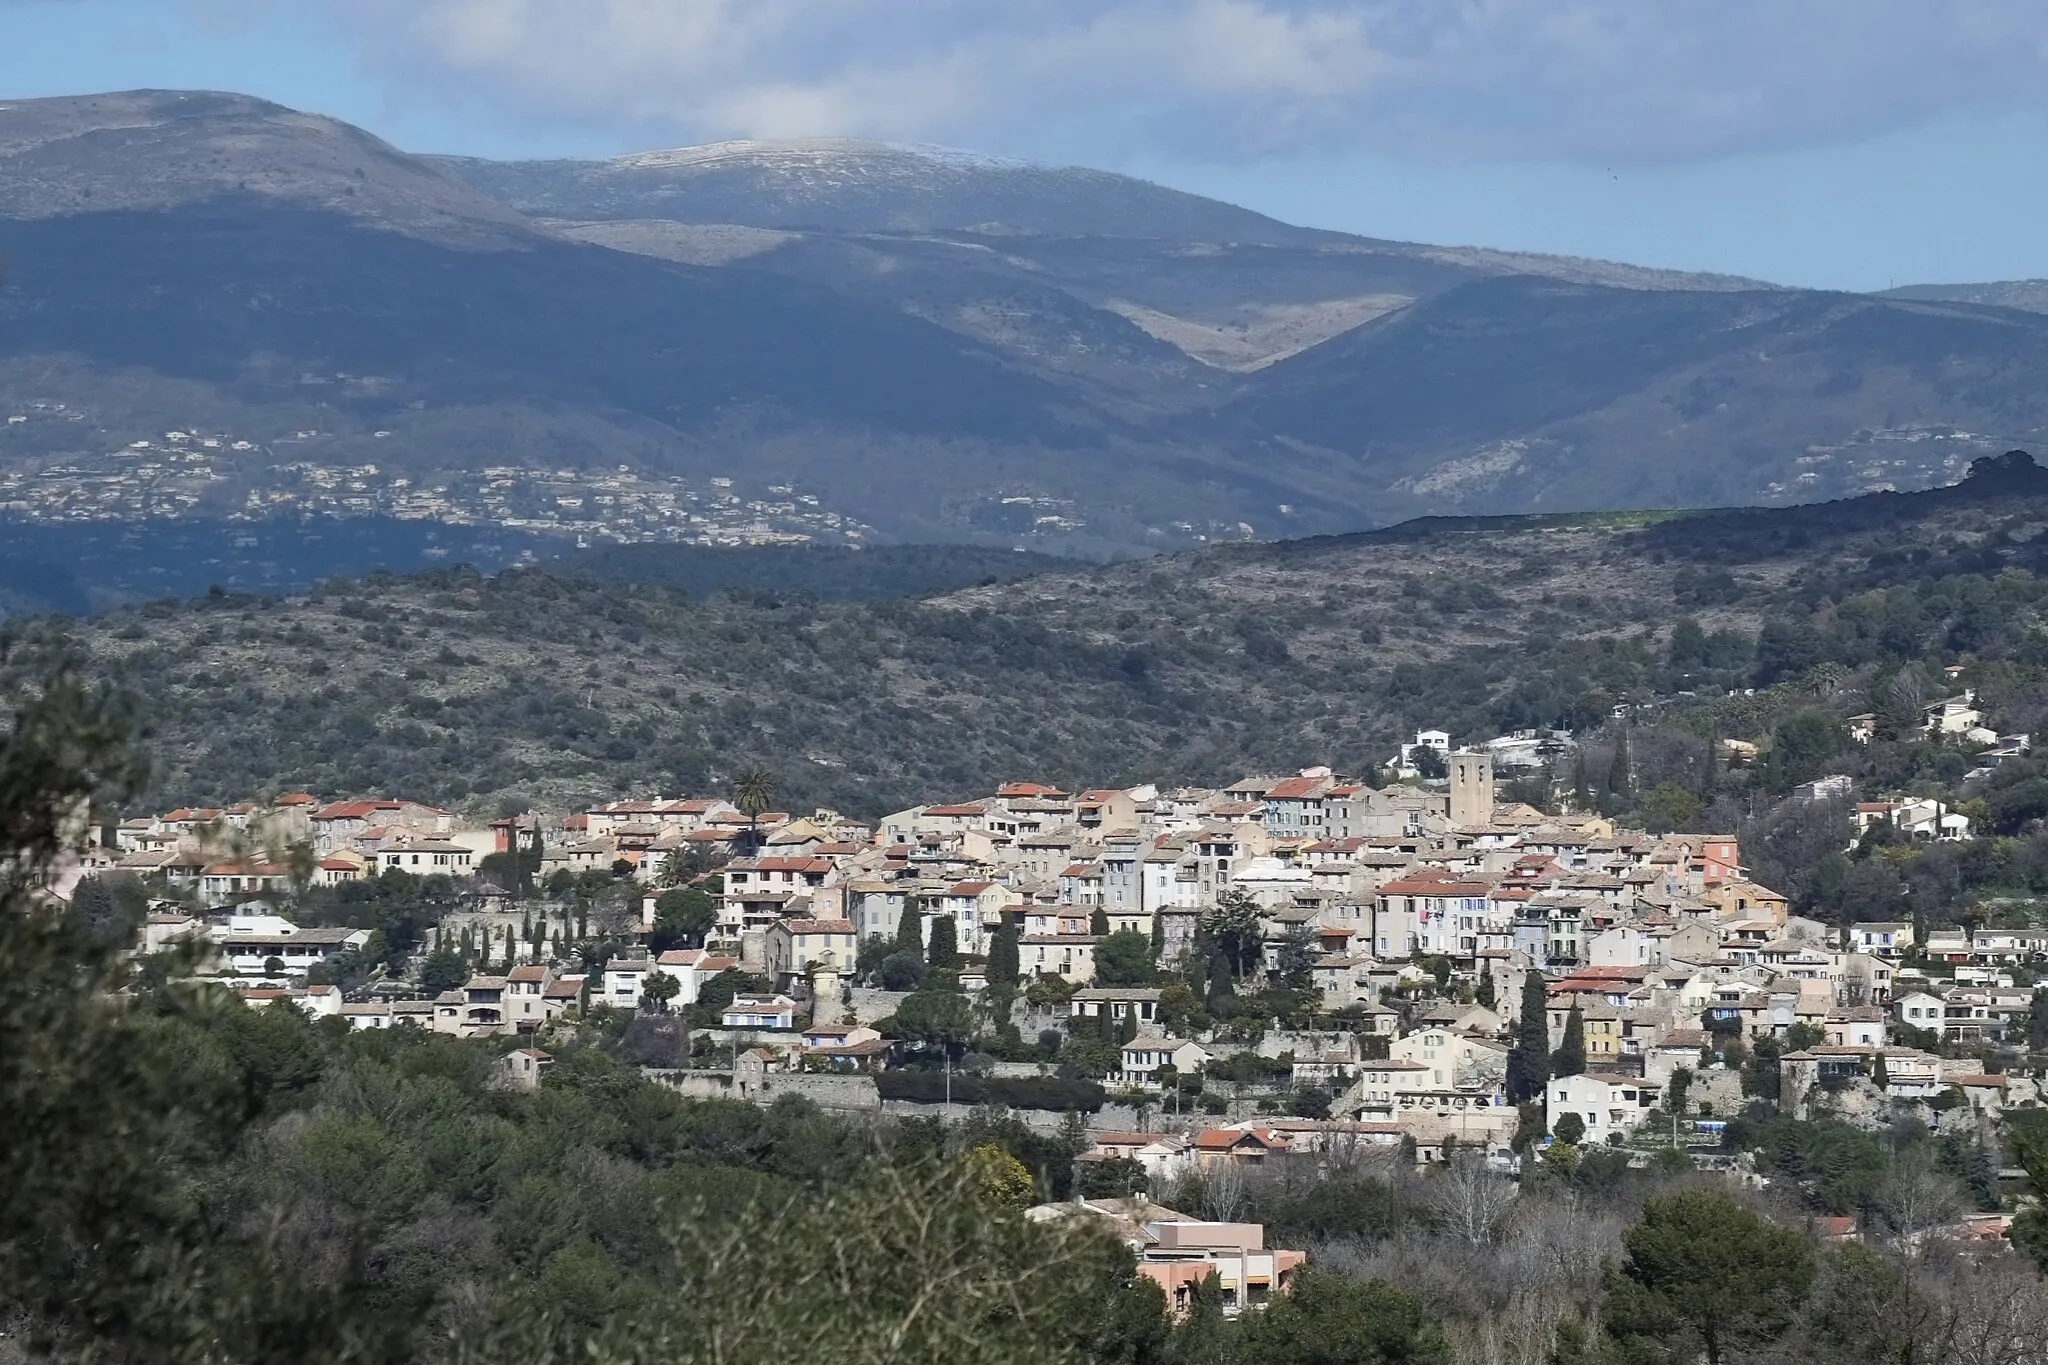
(1028, 789)
(1295, 788)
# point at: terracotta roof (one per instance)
(1295, 788)
(1223, 1139)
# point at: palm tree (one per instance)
(753, 791)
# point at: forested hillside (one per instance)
(543, 684)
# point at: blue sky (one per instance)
(1838, 143)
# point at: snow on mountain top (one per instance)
(812, 151)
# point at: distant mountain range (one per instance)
(939, 345)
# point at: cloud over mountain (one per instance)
(1548, 78)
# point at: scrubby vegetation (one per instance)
(538, 683)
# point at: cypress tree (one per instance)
(1529, 1061)
(1484, 995)
(910, 928)
(1582, 796)
(1618, 767)
(1098, 922)
(945, 949)
(1221, 986)
(1002, 953)
(1571, 1050)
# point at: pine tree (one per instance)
(1570, 1059)
(910, 928)
(1529, 1061)
(945, 949)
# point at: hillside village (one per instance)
(196, 473)
(1279, 968)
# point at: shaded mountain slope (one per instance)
(1527, 392)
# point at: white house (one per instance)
(1951, 715)
(1887, 938)
(691, 968)
(1918, 1009)
(248, 942)
(777, 1012)
(1856, 1026)
(1143, 1058)
(1607, 1103)
(623, 978)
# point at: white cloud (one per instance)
(1583, 79)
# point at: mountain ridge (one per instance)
(186, 260)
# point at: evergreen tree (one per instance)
(1002, 953)
(1618, 766)
(1098, 922)
(910, 928)
(93, 910)
(1221, 985)
(1529, 1060)
(1484, 995)
(1571, 1050)
(1582, 796)
(945, 949)
(1710, 767)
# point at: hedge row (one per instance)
(1019, 1092)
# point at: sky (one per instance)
(1850, 144)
